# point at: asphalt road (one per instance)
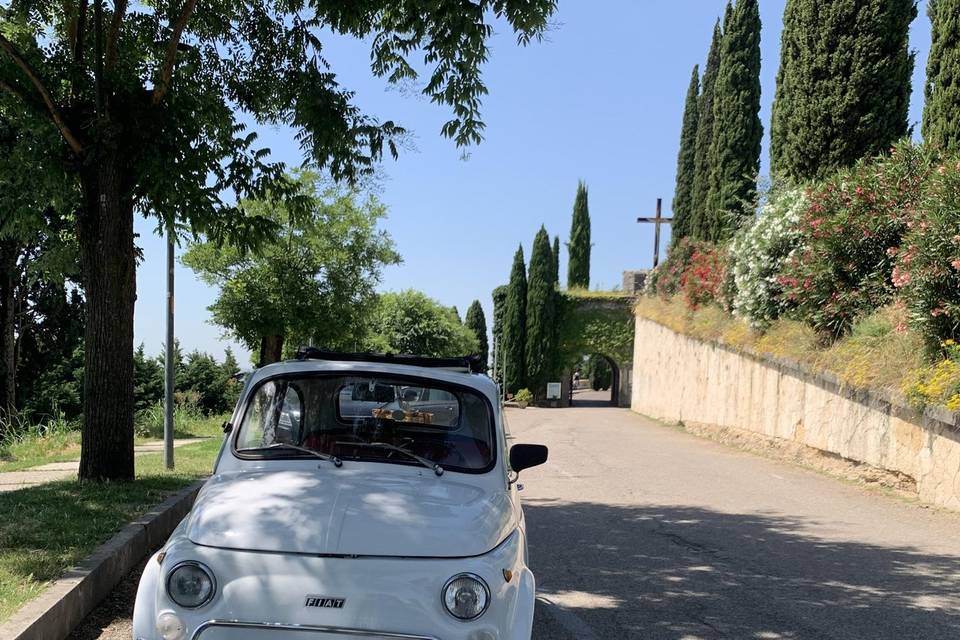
(638, 530)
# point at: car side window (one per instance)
(290, 417)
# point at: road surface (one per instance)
(639, 530)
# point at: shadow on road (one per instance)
(684, 573)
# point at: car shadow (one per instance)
(684, 573)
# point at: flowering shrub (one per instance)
(940, 383)
(665, 280)
(757, 255)
(850, 232)
(927, 267)
(703, 277)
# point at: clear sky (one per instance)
(601, 101)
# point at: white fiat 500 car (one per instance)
(356, 496)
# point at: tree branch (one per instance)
(166, 71)
(113, 37)
(55, 115)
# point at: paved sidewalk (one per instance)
(13, 480)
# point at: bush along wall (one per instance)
(832, 253)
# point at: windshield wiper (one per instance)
(337, 462)
(429, 464)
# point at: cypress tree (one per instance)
(683, 193)
(477, 323)
(941, 122)
(499, 296)
(556, 261)
(737, 132)
(515, 325)
(578, 249)
(701, 151)
(843, 87)
(541, 316)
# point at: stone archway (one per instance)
(587, 396)
(597, 323)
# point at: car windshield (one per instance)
(369, 418)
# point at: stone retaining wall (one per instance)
(678, 378)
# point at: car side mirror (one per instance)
(524, 456)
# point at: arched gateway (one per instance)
(593, 322)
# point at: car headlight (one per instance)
(466, 596)
(190, 585)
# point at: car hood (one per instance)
(343, 512)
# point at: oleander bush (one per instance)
(703, 277)
(850, 231)
(756, 257)
(927, 269)
(666, 280)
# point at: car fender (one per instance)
(144, 611)
(522, 627)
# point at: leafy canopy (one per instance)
(313, 283)
(410, 322)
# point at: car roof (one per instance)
(478, 382)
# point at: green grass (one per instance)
(35, 446)
(45, 530)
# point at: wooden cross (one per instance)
(657, 221)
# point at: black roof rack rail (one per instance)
(470, 363)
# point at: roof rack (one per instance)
(468, 364)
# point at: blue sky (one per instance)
(600, 100)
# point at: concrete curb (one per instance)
(63, 605)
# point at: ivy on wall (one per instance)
(595, 322)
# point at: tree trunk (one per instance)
(109, 281)
(8, 360)
(271, 349)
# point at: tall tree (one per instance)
(410, 322)
(578, 249)
(477, 323)
(843, 87)
(683, 192)
(499, 296)
(701, 153)
(313, 283)
(941, 126)
(149, 103)
(556, 261)
(541, 316)
(515, 326)
(737, 132)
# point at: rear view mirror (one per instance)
(524, 456)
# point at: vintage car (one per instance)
(355, 496)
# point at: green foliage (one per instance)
(843, 87)
(701, 154)
(598, 370)
(499, 296)
(523, 395)
(515, 326)
(594, 324)
(578, 249)
(556, 261)
(541, 316)
(477, 323)
(148, 380)
(757, 256)
(683, 192)
(312, 283)
(734, 155)
(410, 322)
(941, 127)
(928, 263)
(850, 233)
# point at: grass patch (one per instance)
(878, 353)
(46, 530)
(56, 442)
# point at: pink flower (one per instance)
(892, 252)
(900, 278)
(816, 223)
(939, 311)
(956, 264)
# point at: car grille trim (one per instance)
(324, 629)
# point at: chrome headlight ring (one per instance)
(205, 592)
(465, 596)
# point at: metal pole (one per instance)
(169, 364)
(656, 235)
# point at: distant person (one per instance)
(576, 379)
